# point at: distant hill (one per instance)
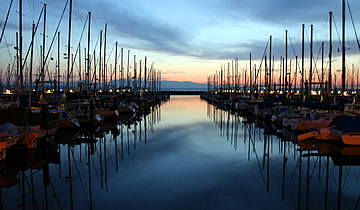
(187, 86)
(165, 86)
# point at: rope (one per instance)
(353, 24)
(6, 19)
(267, 44)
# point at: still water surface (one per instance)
(186, 154)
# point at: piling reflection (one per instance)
(318, 175)
(70, 174)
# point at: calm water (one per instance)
(184, 155)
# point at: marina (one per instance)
(207, 158)
(106, 106)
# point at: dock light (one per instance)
(354, 92)
(100, 91)
(272, 92)
(297, 91)
(48, 91)
(332, 91)
(71, 91)
(262, 91)
(117, 90)
(345, 93)
(110, 90)
(33, 90)
(215, 92)
(61, 89)
(7, 91)
(339, 92)
(248, 91)
(281, 92)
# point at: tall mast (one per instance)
(31, 64)
(116, 45)
(322, 66)
(134, 82)
(289, 87)
(127, 72)
(229, 77)
(17, 59)
(330, 54)
(80, 72)
(296, 73)
(20, 45)
(88, 58)
(286, 59)
(122, 67)
(343, 48)
(145, 78)
(104, 69)
(280, 83)
(140, 69)
(302, 60)
(58, 62)
(43, 56)
(283, 67)
(269, 86)
(69, 48)
(311, 57)
(100, 63)
(250, 74)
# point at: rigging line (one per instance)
(110, 157)
(292, 176)
(55, 33)
(7, 47)
(27, 182)
(347, 175)
(257, 158)
(57, 199)
(353, 24)
(78, 48)
(107, 61)
(337, 32)
(6, 19)
(298, 63)
(97, 173)
(314, 168)
(77, 11)
(315, 61)
(292, 46)
(267, 44)
(77, 169)
(92, 56)
(37, 25)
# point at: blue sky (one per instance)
(188, 39)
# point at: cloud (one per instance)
(146, 33)
(213, 30)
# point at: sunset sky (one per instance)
(187, 39)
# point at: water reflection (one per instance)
(70, 172)
(320, 182)
(185, 154)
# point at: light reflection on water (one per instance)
(186, 154)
